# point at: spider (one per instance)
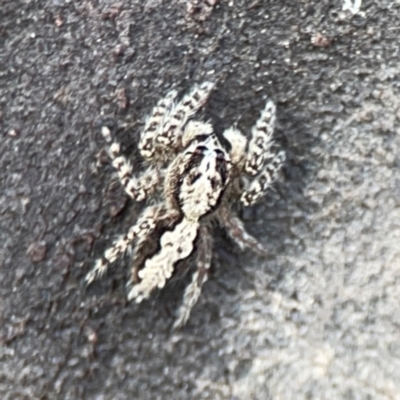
(194, 178)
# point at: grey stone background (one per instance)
(319, 319)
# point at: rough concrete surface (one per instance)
(318, 319)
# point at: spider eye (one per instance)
(220, 154)
(201, 138)
(201, 149)
(214, 183)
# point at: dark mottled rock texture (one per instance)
(319, 319)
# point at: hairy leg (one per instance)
(238, 144)
(238, 233)
(140, 187)
(143, 227)
(154, 124)
(261, 140)
(260, 184)
(193, 291)
(171, 132)
(195, 129)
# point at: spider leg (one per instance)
(154, 123)
(259, 162)
(261, 140)
(193, 291)
(236, 230)
(238, 144)
(260, 184)
(174, 245)
(138, 188)
(143, 227)
(171, 132)
(195, 129)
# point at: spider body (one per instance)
(197, 178)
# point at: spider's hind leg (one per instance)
(143, 227)
(236, 230)
(193, 291)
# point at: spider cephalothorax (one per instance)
(197, 179)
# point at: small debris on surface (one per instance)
(253, 4)
(200, 9)
(63, 262)
(62, 96)
(113, 11)
(106, 133)
(91, 335)
(58, 21)
(13, 133)
(14, 330)
(122, 98)
(319, 40)
(37, 251)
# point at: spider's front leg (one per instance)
(193, 291)
(236, 230)
(143, 227)
(261, 140)
(170, 134)
(260, 161)
(154, 125)
(137, 187)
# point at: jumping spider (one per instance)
(194, 179)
